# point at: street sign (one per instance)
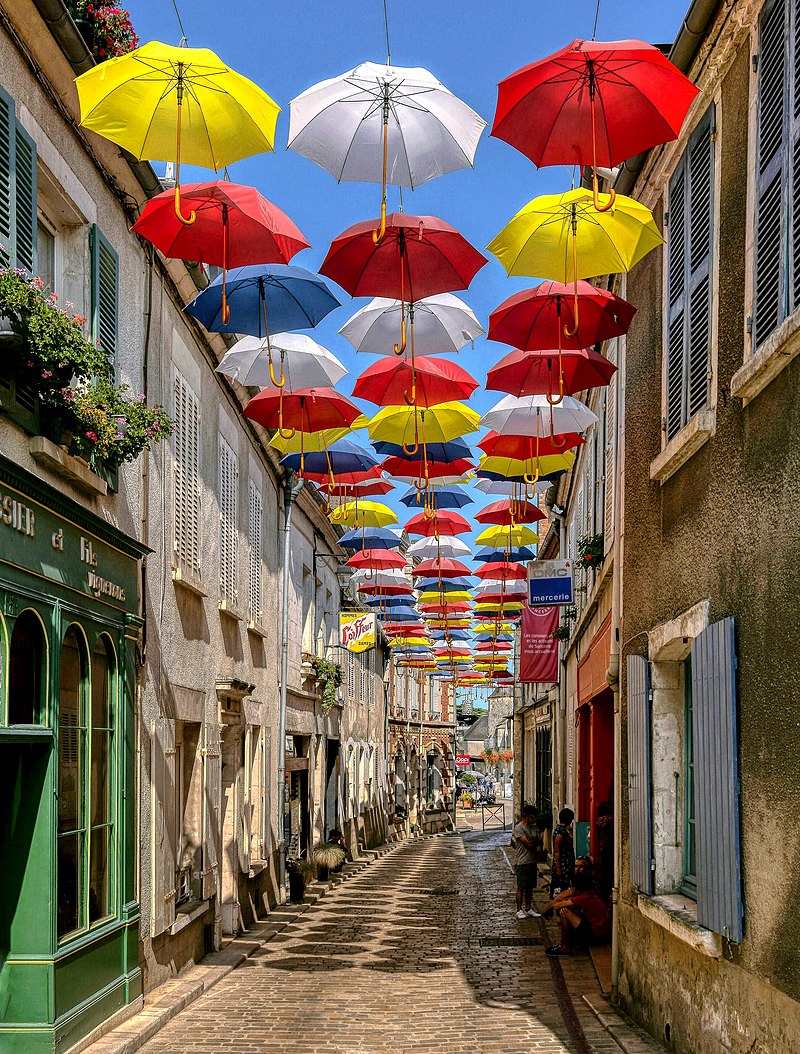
(549, 582)
(357, 632)
(463, 761)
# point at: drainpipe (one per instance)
(562, 681)
(291, 490)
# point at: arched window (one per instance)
(26, 671)
(71, 782)
(102, 756)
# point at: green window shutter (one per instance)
(25, 220)
(7, 125)
(105, 292)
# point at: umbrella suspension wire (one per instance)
(553, 400)
(411, 397)
(401, 244)
(592, 92)
(184, 38)
(596, 16)
(226, 311)
(185, 220)
(573, 222)
(377, 236)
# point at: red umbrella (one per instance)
(446, 609)
(361, 475)
(536, 319)
(494, 646)
(593, 103)
(526, 448)
(234, 226)
(502, 569)
(441, 523)
(401, 589)
(445, 568)
(506, 512)
(407, 468)
(349, 490)
(380, 558)
(426, 382)
(551, 373)
(303, 410)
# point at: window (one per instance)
(228, 527)
(26, 672)
(17, 190)
(46, 255)
(689, 885)
(544, 772)
(690, 242)
(254, 515)
(186, 445)
(100, 775)
(307, 611)
(777, 234)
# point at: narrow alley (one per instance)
(418, 952)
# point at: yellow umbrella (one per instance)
(491, 627)
(434, 596)
(409, 642)
(160, 102)
(564, 237)
(529, 468)
(507, 536)
(314, 442)
(412, 426)
(363, 514)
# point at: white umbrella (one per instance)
(388, 576)
(305, 364)
(532, 415)
(440, 481)
(499, 585)
(428, 548)
(442, 324)
(509, 488)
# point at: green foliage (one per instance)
(107, 28)
(329, 677)
(591, 550)
(113, 427)
(468, 779)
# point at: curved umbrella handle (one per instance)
(401, 347)
(280, 381)
(370, 574)
(612, 197)
(571, 332)
(411, 397)
(531, 480)
(377, 236)
(186, 221)
(411, 449)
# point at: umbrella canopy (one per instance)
(443, 324)
(535, 319)
(490, 484)
(425, 382)
(508, 512)
(364, 514)
(441, 523)
(510, 445)
(532, 415)
(411, 426)
(372, 538)
(339, 124)
(436, 548)
(438, 497)
(295, 357)
(487, 555)
(343, 456)
(443, 568)
(528, 469)
(306, 410)
(314, 441)
(507, 537)
(564, 237)
(506, 571)
(452, 451)
(265, 299)
(549, 373)
(417, 257)
(366, 488)
(383, 559)
(442, 585)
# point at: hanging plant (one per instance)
(507, 755)
(561, 632)
(329, 677)
(106, 28)
(591, 550)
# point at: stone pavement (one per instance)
(419, 952)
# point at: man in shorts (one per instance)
(526, 841)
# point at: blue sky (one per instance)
(469, 46)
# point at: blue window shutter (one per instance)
(25, 219)
(105, 292)
(640, 823)
(676, 299)
(716, 768)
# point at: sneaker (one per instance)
(557, 950)
(522, 914)
(533, 914)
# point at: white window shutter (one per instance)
(186, 497)
(610, 452)
(228, 526)
(212, 789)
(164, 863)
(255, 513)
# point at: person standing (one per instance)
(526, 840)
(563, 854)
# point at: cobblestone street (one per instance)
(419, 952)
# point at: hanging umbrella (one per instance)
(432, 548)
(384, 124)
(440, 523)
(367, 488)
(564, 237)
(532, 415)
(372, 538)
(445, 567)
(444, 596)
(516, 489)
(414, 428)
(442, 585)
(535, 319)
(427, 382)
(305, 410)
(382, 559)
(442, 323)
(550, 373)
(593, 103)
(314, 441)
(139, 102)
(234, 226)
(303, 363)
(456, 448)
(439, 497)
(528, 470)
(364, 514)
(508, 512)
(496, 444)
(507, 571)
(344, 458)
(487, 555)
(507, 537)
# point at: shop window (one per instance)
(102, 756)
(71, 783)
(26, 672)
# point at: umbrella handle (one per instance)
(612, 196)
(186, 221)
(411, 450)
(558, 441)
(284, 433)
(280, 381)
(401, 347)
(575, 309)
(377, 236)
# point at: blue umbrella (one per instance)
(371, 538)
(290, 297)
(342, 456)
(440, 497)
(454, 634)
(494, 556)
(483, 474)
(451, 451)
(406, 614)
(379, 600)
(447, 585)
(484, 638)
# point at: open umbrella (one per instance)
(451, 451)
(422, 471)
(550, 373)
(364, 514)
(488, 555)
(509, 512)
(426, 382)
(507, 537)
(444, 568)
(340, 461)
(372, 538)
(436, 548)
(527, 470)
(439, 497)
(535, 319)
(442, 324)
(303, 363)
(234, 226)
(414, 427)
(505, 444)
(423, 129)
(382, 559)
(139, 101)
(532, 415)
(489, 483)
(593, 103)
(305, 410)
(509, 571)
(440, 523)
(314, 441)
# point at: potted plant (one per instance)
(591, 551)
(111, 425)
(327, 857)
(106, 28)
(301, 873)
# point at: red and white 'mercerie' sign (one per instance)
(357, 632)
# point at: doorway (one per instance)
(332, 755)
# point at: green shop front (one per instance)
(69, 625)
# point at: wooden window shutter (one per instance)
(212, 791)
(7, 150)
(639, 777)
(105, 292)
(186, 507)
(610, 451)
(229, 528)
(771, 175)
(25, 219)
(164, 863)
(716, 768)
(794, 188)
(254, 517)
(676, 299)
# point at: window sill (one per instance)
(188, 581)
(777, 351)
(187, 914)
(46, 453)
(231, 612)
(683, 446)
(257, 629)
(677, 914)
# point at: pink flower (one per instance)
(92, 436)
(46, 374)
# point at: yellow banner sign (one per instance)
(357, 632)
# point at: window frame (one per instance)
(688, 884)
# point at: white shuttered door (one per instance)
(254, 517)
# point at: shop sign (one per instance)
(542, 712)
(357, 632)
(463, 761)
(549, 582)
